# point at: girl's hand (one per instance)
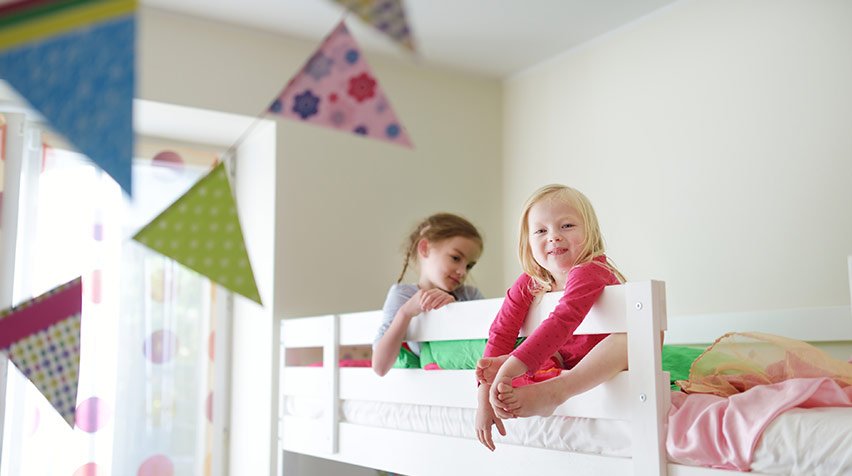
(487, 367)
(412, 307)
(434, 299)
(485, 418)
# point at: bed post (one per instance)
(330, 359)
(282, 362)
(649, 385)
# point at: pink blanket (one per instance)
(708, 430)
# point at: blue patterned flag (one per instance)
(73, 61)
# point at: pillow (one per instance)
(677, 360)
(463, 354)
(453, 354)
(406, 359)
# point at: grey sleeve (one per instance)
(398, 294)
(469, 293)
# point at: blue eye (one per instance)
(568, 225)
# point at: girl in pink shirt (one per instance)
(561, 249)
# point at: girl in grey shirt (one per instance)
(444, 247)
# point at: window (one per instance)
(144, 403)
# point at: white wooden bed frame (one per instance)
(640, 395)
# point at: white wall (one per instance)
(343, 204)
(253, 413)
(713, 139)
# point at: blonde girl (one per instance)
(444, 247)
(560, 249)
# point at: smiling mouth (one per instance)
(557, 251)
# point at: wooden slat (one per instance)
(458, 320)
(302, 381)
(423, 454)
(331, 377)
(457, 388)
(304, 332)
(360, 327)
(461, 320)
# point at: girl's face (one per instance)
(444, 264)
(556, 235)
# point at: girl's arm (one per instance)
(386, 349)
(585, 284)
(507, 324)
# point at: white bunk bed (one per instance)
(634, 404)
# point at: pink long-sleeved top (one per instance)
(556, 333)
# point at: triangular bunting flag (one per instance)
(42, 338)
(387, 16)
(73, 61)
(336, 88)
(201, 230)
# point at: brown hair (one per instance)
(593, 246)
(435, 228)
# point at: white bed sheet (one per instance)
(814, 441)
(799, 442)
(582, 435)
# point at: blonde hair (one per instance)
(593, 245)
(435, 228)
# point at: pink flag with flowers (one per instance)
(42, 339)
(336, 88)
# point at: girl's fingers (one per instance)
(434, 299)
(500, 427)
(503, 414)
(486, 440)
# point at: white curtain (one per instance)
(144, 403)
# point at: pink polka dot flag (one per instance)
(42, 339)
(336, 88)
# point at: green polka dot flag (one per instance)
(201, 231)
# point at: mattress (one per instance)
(814, 441)
(799, 442)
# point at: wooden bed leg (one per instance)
(282, 362)
(331, 368)
(649, 385)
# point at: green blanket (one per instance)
(463, 354)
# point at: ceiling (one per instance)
(496, 38)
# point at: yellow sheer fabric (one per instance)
(737, 362)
